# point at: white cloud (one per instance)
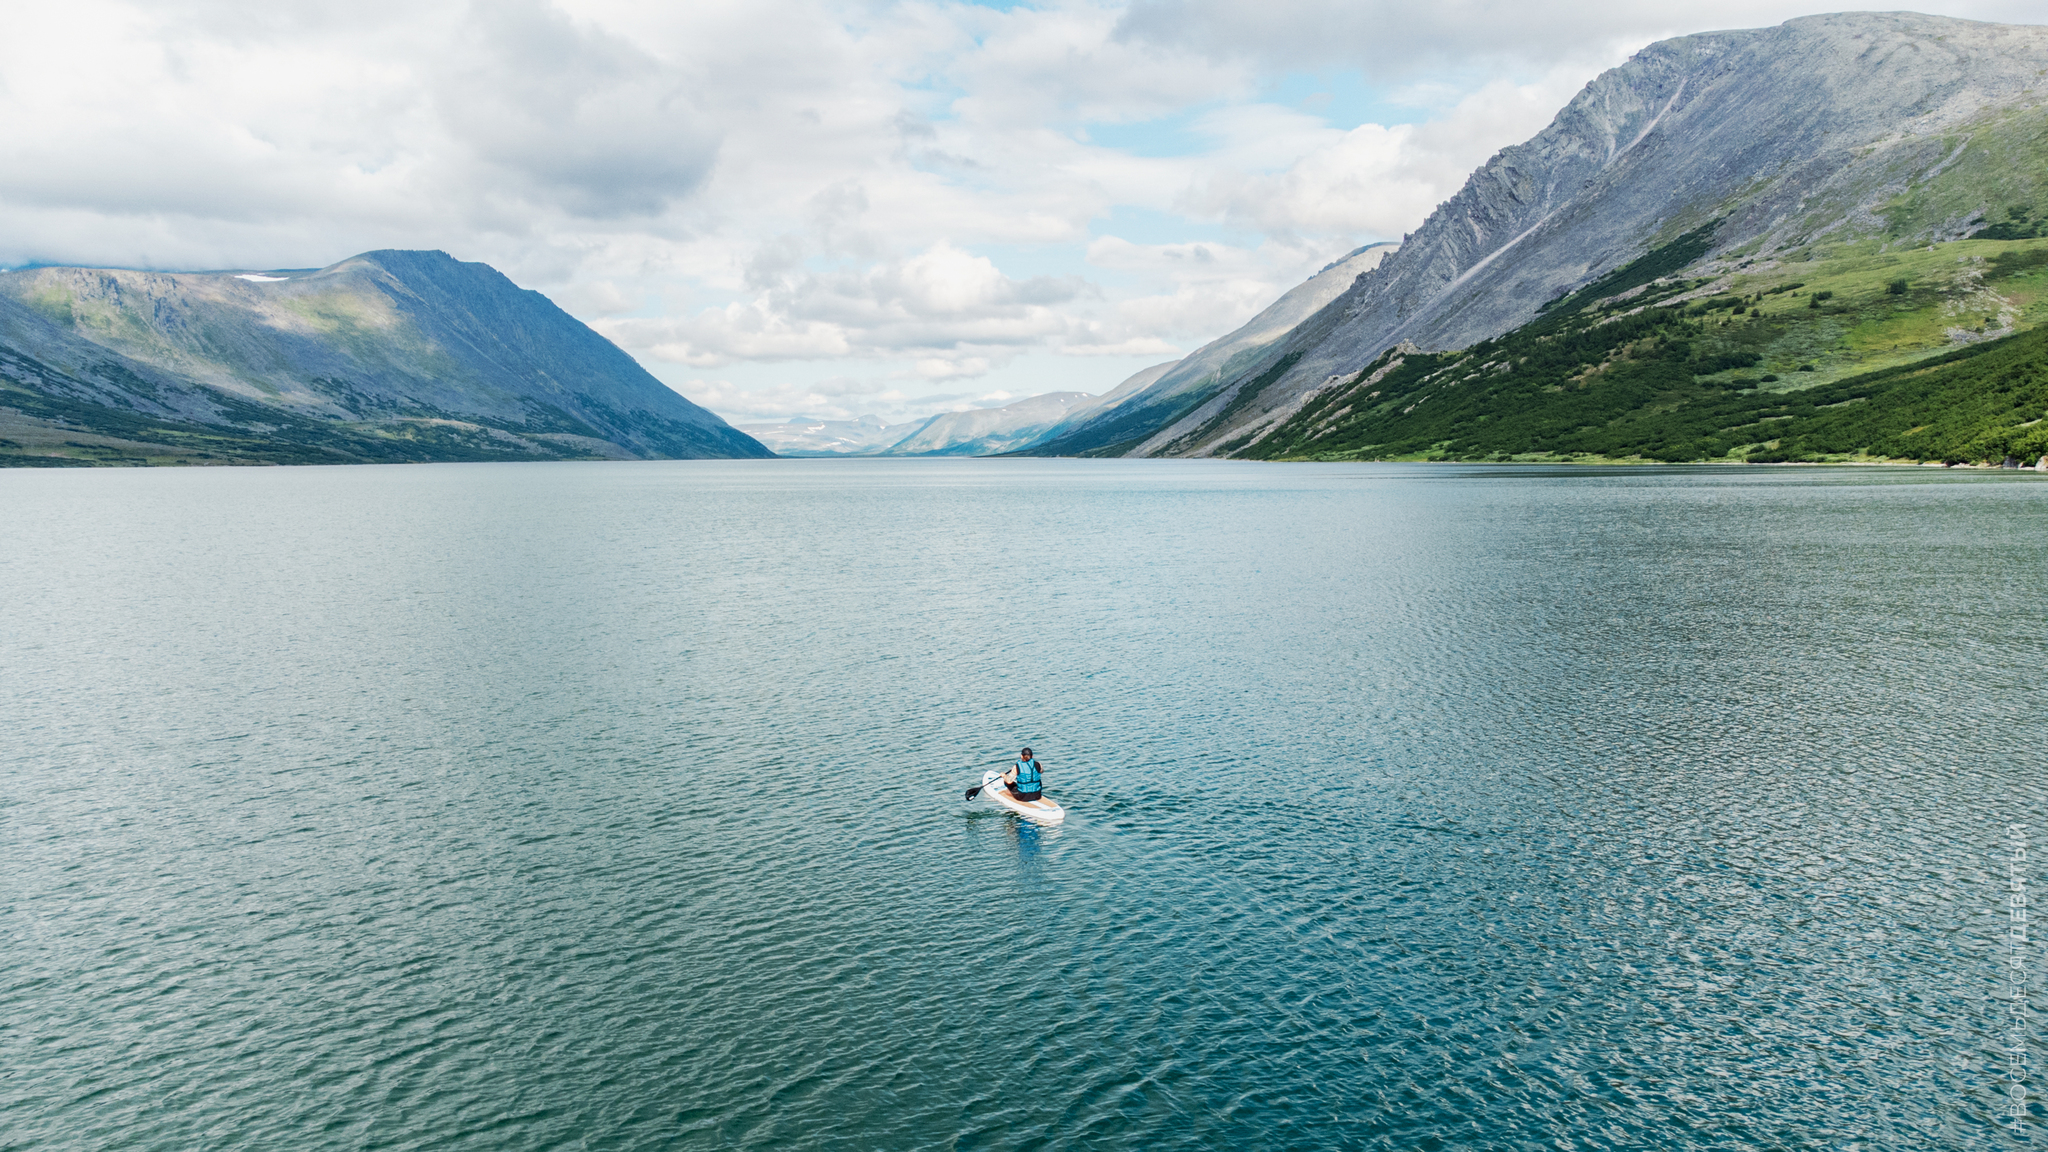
(832, 398)
(940, 368)
(1377, 180)
(801, 205)
(571, 116)
(943, 307)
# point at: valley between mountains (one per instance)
(1822, 241)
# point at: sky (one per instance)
(808, 208)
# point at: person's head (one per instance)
(1025, 755)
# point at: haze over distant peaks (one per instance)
(1034, 421)
(974, 432)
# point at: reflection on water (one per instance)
(1030, 837)
(619, 806)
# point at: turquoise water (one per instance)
(620, 806)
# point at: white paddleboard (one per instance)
(1041, 809)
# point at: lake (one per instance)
(620, 806)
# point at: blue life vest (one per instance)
(1028, 778)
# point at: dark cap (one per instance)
(1026, 752)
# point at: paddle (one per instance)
(976, 790)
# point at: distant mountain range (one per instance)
(806, 436)
(1768, 212)
(1047, 424)
(974, 432)
(387, 356)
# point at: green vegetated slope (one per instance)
(1993, 175)
(1852, 353)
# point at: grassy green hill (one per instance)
(1856, 352)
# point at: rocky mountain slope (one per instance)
(1794, 153)
(385, 356)
(1134, 412)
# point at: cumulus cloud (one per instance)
(572, 117)
(795, 205)
(170, 135)
(943, 307)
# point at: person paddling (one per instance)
(1025, 780)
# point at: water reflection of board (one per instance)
(1041, 809)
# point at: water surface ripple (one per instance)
(619, 806)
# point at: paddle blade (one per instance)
(972, 791)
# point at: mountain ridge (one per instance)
(386, 355)
(1820, 133)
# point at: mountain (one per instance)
(808, 436)
(1022, 425)
(386, 356)
(1882, 164)
(986, 431)
(976, 432)
(1110, 428)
